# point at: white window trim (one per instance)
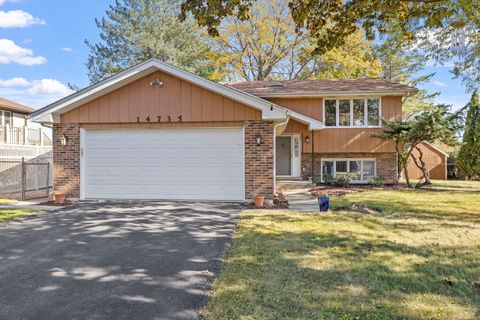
(365, 107)
(334, 160)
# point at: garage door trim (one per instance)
(83, 133)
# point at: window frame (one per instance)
(334, 160)
(365, 111)
(3, 117)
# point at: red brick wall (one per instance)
(66, 160)
(386, 164)
(259, 159)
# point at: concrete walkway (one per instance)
(301, 200)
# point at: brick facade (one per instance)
(259, 166)
(258, 159)
(66, 160)
(386, 164)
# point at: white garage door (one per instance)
(192, 164)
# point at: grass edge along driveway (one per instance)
(7, 214)
(417, 258)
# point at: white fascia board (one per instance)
(313, 124)
(270, 111)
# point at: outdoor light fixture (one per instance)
(156, 82)
(307, 139)
(259, 139)
(63, 140)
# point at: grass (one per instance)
(10, 214)
(3, 201)
(418, 258)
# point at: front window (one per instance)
(352, 112)
(358, 170)
(355, 170)
(373, 112)
(327, 169)
(358, 112)
(341, 169)
(5, 118)
(368, 169)
(330, 113)
(344, 113)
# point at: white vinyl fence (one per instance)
(25, 171)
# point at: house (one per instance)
(435, 160)
(155, 131)
(14, 126)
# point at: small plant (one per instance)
(329, 180)
(377, 181)
(340, 182)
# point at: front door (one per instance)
(283, 155)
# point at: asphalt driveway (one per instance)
(140, 260)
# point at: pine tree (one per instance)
(468, 160)
(136, 30)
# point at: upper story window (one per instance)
(356, 112)
(5, 117)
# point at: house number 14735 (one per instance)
(159, 119)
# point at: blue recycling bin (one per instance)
(324, 203)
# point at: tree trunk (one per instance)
(423, 167)
(405, 167)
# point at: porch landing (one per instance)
(297, 194)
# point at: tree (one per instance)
(136, 30)
(402, 63)
(468, 160)
(395, 131)
(267, 46)
(435, 125)
(331, 22)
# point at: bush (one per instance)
(377, 182)
(340, 182)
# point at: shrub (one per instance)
(377, 181)
(340, 182)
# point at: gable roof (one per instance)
(437, 148)
(14, 107)
(323, 87)
(270, 111)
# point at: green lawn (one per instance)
(9, 214)
(3, 201)
(417, 258)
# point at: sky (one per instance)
(42, 49)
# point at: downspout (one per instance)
(313, 156)
(275, 152)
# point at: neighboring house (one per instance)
(14, 126)
(157, 132)
(435, 160)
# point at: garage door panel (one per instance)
(164, 164)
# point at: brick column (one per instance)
(259, 164)
(66, 160)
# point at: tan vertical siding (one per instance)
(176, 97)
(342, 140)
(311, 107)
(435, 162)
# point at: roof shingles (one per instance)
(322, 87)
(15, 107)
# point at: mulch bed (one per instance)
(338, 191)
(279, 202)
(52, 203)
